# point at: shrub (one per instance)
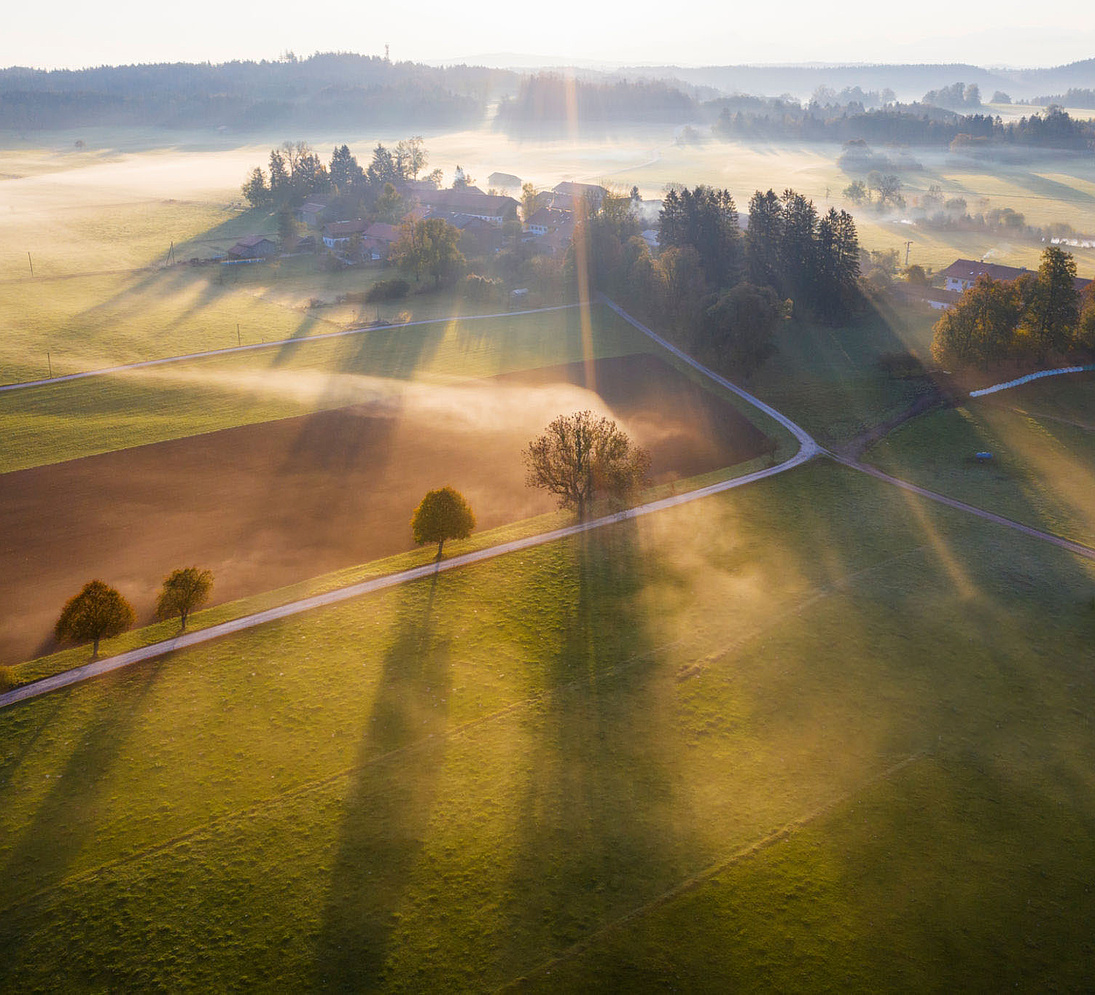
(387, 290)
(482, 289)
(7, 679)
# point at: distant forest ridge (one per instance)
(550, 103)
(334, 89)
(348, 90)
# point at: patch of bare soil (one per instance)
(267, 505)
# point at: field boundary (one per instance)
(273, 344)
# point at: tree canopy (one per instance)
(582, 456)
(184, 591)
(431, 246)
(442, 514)
(1033, 316)
(97, 612)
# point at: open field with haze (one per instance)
(456, 782)
(815, 733)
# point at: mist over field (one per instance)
(777, 678)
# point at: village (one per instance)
(485, 221)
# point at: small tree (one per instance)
(97, 612)
(443, 514)
(7, 679)
(581, 456)
(184, 591)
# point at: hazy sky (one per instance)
(690, 32)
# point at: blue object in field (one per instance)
(983, 457)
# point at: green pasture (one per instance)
(828, 378)
(94, 321)
(451, 784)
(1042, 437)
(100, 414)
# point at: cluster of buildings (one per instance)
(479, 216)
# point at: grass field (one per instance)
(1042, 437)
(812, 734)
(448, 785)
(64, 421)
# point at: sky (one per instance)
(74, 33)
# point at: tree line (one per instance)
(1032, 318)
(327, 89)
(717, 291)
(296, 172)
(908, 124)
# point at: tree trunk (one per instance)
(95, 648)
(440, 546)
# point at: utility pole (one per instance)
(239, 341)
(49, 363)
(908, 245)
(31, 261)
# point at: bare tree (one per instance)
(581, 457)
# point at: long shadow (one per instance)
(388, 805)
(66, 819)
(604, 828)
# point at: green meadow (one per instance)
(1042, 440)
(809, 734)
(54, 422)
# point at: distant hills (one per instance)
(347, 90)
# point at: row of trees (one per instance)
(1033, 317)
(296, 172)
(100, 611)
(719, 292)
(580, 458)
(907, 124)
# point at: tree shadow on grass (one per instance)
(604, 828)
(388, 802)
(66, 820)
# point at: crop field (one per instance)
(458, 782)
(1042, 437)
(270, 504)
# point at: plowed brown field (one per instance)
(270, 504)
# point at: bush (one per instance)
(7, 679)
(482, 289)
(387, 290)
(900, 365)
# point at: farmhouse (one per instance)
(340, 232)
(578, 191)
(963, 274)
(548, 219)
(377, 239)
(494, 208)
(311, 212)
(253, 247)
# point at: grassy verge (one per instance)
(443, 786)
